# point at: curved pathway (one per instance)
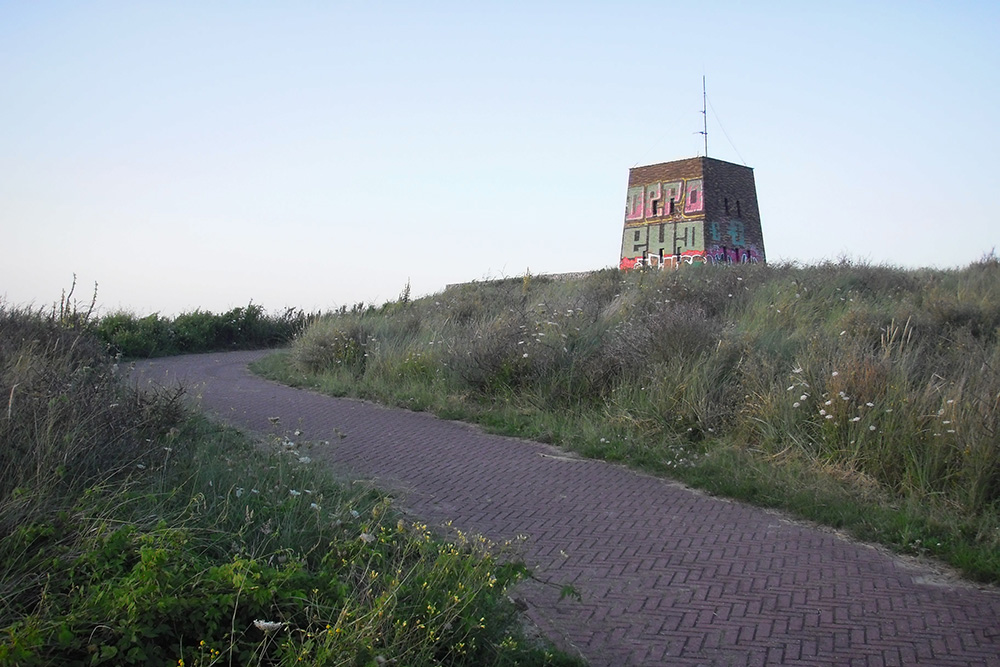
(668, 576)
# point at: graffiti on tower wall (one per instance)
(669, 223)
(664, 199)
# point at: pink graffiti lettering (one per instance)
(693, 200)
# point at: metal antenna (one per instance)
(704, 113)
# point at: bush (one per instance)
(198, 331)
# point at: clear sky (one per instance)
(204, 154)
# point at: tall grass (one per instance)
(887, 380)
(133, 533)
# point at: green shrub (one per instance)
(251, 327)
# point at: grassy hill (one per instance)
(135, 533)
(864, 397)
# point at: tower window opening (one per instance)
(738, 214)
(671, 205)
(636, 235)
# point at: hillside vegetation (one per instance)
(135, 533)
(865, 397)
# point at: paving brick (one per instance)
(669, 576)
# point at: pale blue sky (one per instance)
(313, 154)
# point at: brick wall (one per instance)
(693, 210)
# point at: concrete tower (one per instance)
(691, 211)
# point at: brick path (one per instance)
(668, 576)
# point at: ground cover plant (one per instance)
(134, 533)
(865, 397)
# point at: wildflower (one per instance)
(822, 413)
(314, 506)
(293, 492)
(834, 374)
(871, 428)
(829, 417)
(828, 403)
(305, 459)
(803, 397)
(856, 419)
(790, 388)
(871, 405)
(239, 492)
(798, 369)
(269, 626)
(367, 538)
(525, 355)
(796, 404)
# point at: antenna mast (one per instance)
(704, 114)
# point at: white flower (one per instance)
(269, 626)
(871, 428)
(828, 403)
(294, 492)
(790, 388)
(239, 492)
(822, 412)
(305, 459)
(796, 404)
(835, 374)
(367, 538)
(829, 417)
(313, 506)
(856, 419)
(803, 397)
(525, 355)
(797, 369)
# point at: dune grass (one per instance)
(135, 533)
(864, 397)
